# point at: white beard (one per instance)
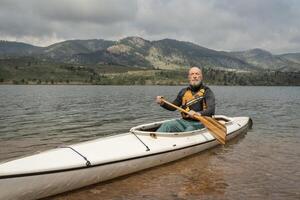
(196, 84)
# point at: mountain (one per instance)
(8, 49)
(187, 53)
(294, 57)
(265, 60)
(63, 51)
(160, 54)
(126, 52)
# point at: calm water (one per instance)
(263, 164)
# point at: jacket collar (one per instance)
(195, 89)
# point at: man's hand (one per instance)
(159, 100)
(193, 113)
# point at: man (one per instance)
(197, 99)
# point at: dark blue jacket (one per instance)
(209, 99)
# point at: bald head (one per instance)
(195, 69)
(195, 76)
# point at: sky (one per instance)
(225, 25)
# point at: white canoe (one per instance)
(70, 167)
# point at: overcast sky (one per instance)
(229, 25)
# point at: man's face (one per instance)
(195, 76)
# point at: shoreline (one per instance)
(95, 84)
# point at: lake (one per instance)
(263, 164)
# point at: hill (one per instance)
(293, 57)
(17, 49)
(265, 60)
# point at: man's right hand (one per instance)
(159, 100)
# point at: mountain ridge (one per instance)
(159, 54)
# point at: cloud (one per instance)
(217, 24)
(64, 19)
(105, 12)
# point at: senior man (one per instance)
(197, 99)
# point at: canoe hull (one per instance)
(43, 184)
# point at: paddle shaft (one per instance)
(217, 129)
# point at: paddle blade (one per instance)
(217, 129)
(216, 123)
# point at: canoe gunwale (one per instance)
(142, 129)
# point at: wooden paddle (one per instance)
(217, 129)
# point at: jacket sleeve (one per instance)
(176, 102)
(210, 103)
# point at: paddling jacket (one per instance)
(205, 104)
